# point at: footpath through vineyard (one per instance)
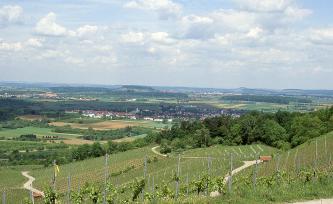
(28, 185)
(321, 201)
(227, 177)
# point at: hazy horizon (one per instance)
(270, 44)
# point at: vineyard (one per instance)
(123, 168)
(191, 176)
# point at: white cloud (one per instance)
(161, 37)
(255, 32)
(10, 46)
(235, 19)
(74, 60)
(197, 27)
(322, 35)
(34, 42)
(165, 8)
(133, 37)
(264, 5)
(194, 19)
(48, 26)
(142, 38)
(295, 13)
(104, 60)
(10, 14)
(86, 30)
(250, 16)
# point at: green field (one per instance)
(11, 133)
(10, 146)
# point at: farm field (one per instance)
(32, 117)
(111, 124)
(22, 146)
(40, 132)
(10, 133)
(130, 139)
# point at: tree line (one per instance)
(281, 129)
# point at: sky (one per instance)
(196, 43)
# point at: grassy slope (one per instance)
(11, 183)
(93, 170)
(302, 157)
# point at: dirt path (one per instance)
(321, 201)
(235, 171)
(28, 185)
(157, 152)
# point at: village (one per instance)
(166, 115)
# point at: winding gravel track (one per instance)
(157, 152)
(246, 164)
(28, 185)
(226, 178)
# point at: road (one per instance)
(28, 185)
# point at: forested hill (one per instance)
(267, 99)
(282, 130)
(126, 91)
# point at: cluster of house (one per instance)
(112, 115)
(168, 114)
(108, 114)
(158, 119)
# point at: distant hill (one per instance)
(266, 98)
(167, 89)
(137, 88)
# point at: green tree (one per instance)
(304, 128)
(202, 138)
(274, 134)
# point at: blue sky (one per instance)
(216, 43)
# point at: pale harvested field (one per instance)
(31, 117)
(74, 141)
(105, 125)
(129, 139)
(77, 141)
(230, 105)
